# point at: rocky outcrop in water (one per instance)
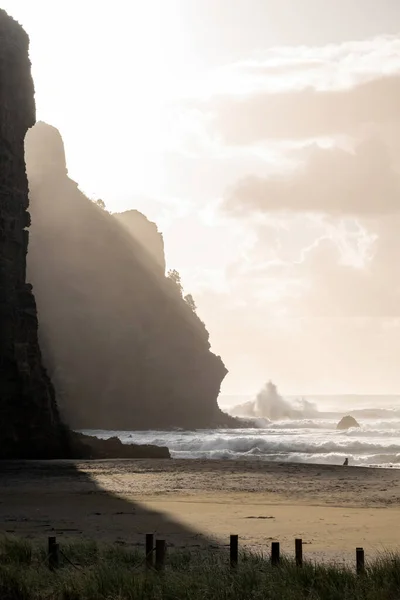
(347, 422)
(30, 426)
(90, 447)
(124, 349)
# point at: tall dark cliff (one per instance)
(29, 422)
(123, 348)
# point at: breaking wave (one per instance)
(269, 404)
(375, 443)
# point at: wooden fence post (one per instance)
(53, 553)
(275, 554)
(234, 551)
(360, 561)
(298, 544)
(160, 554)
(149, 550)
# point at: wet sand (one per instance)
(196, 503)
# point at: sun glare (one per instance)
(104, 78)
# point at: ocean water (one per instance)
(375, 444)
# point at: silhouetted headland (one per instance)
(124, 349)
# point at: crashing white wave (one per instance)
(269, 407)
(269, 404)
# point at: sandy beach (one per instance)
(196, 503)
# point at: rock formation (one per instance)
(90, 447)
(347, 422)
(146, 234)
(29, 422)
(124, 350)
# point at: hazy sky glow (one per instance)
(263, 138)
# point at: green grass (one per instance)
(89, 571)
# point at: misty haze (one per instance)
(199, 282)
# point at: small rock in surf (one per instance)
(347, 422)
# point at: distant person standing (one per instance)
(346, 463)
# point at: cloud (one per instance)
(332, 181)
(281, 67)
(289, 68)
(315, 298)
(306, 113)
(349, 272)
(337, 329)
(301, 92)
(338, 290)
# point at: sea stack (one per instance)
(347, 422)
(30, 426)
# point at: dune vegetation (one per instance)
(88, 571)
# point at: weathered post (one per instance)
(53, 553)
(160, 554)
(360, 561)
(275, 554)
(298, 544)
(149, 550)
(234, 551)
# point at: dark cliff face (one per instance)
(123, 348)
(29, 423)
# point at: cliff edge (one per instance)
(124, 349)
(30, 425)
(147, 236)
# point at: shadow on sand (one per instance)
(65, 498)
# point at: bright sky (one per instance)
(261, 137)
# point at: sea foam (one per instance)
(375, 443)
